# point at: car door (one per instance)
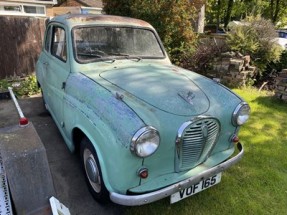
(57, 70)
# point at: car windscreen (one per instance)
(99, 43)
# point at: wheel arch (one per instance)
(78, 134)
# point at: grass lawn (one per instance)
(258, 183)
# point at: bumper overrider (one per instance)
(134, 200)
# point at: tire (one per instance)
(93, 173)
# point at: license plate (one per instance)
(195, 188)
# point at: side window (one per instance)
(48, 39)
(59, 47)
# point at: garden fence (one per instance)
(20, 44)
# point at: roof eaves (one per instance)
(83, 3)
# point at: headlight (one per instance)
(145, 142)
(241, 114)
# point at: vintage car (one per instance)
(145, 129)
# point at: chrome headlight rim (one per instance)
(237, 113)
(143, 131)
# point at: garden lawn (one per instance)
(258, 183)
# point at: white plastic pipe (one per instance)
(23, 119)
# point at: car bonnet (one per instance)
(163, 87)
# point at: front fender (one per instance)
(109, 124)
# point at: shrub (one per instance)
(242, 39)
(21, 87)
(208, 50)
(4, 84)
(28, 86)
(273, 68)
(257, 39)
(282, 63)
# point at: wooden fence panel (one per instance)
(20, 44)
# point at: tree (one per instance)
(121, 7)
(218, 14)
(275, 9)
(222, 11)
(199, 20)
(171, 19)
(228, 13)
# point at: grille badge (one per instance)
(204, 130)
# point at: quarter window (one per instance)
(59, 47)
(48, 39)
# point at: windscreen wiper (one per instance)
(125, 55)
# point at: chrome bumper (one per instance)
(134, 200)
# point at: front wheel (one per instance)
(93, 172)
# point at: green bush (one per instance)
(24, 87)
(281, 64)
(242, 39)
(28, 86)
(171, 19)
(256, 38)
(4, 84)
(272, 70)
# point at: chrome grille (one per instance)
(195, 141)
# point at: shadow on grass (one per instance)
(271, 102)
(268, 118)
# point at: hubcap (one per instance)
(92, 171)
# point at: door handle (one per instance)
(45, 65)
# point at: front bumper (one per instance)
(134, 200)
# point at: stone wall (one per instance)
(233, 70)
(281, 85)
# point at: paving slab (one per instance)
(27, 170)
(67, 174)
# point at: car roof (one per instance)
(90, 19)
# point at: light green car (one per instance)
(145, 129)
